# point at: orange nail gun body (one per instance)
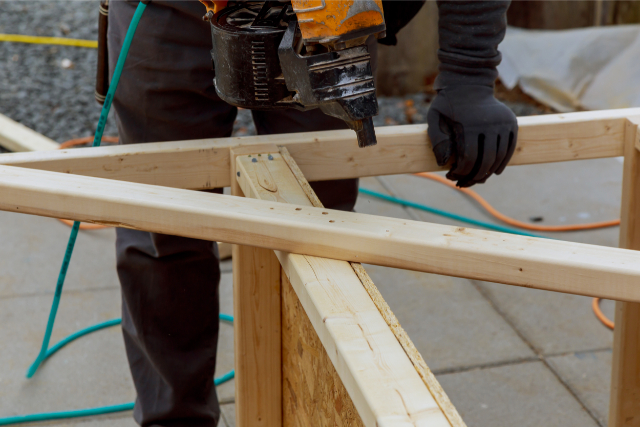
(326, 21)
(300, 54)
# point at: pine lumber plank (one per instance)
(257, 332)
(204, 164)
(436, 390)
(312, 391)
(624, 407)
(374, 368)
(381, 380)
(17, 137)
(569, 267)
(401, 335)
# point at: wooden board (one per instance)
(409, 348)
(17, 137)
(312, 392)
(380, 379)
(204, 164)
(455, 251)
(257, 334)
(624, 407)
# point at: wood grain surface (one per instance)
(204, 164)
(312, 392)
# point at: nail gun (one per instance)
(300, 54)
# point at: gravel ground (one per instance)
(50, 88)
(36, 90)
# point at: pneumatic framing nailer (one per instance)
(301, 54)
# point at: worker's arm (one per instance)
(466, 122)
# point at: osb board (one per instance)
(312, 392)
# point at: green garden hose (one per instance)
(446, 214)
(45, 351)
(102, 122)
(48, 416)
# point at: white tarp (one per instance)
(594, 68)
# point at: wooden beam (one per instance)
(17, 137)
(409, 348)
(382, 383)
(204, 164)
(455, 251)
(312, 392)
(375, 370)
(624, 407)
(257, 331)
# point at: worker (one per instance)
(170, 298)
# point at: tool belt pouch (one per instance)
(102, 78)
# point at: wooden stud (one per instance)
(257, 332)
(624, 407)
(204, 164)
(374, 368)
(548, 264)
(410, 349)
(313, 394)
(17, 137)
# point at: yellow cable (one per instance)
(48, 40)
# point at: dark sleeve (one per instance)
(470, 32)
(397, 14)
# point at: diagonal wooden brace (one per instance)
(374, 372)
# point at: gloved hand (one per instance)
(466, 122)
(469, 124)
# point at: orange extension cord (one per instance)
(491, 210)
(81, 141)
(520, 224)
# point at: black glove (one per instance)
(465, 120)
(479, 131)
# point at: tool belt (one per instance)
(102, 77)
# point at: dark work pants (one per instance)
(170, 284)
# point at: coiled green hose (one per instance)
(48, 416)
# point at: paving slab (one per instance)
(552, 322)
(451, 323)
(92, 371)
(562, 193)
(588, 375)
(372, 206)
(229, 414)
(120, 419)
(559, 193)
(523, 395)
(226, 266)
(33, 248)
(224, 361)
